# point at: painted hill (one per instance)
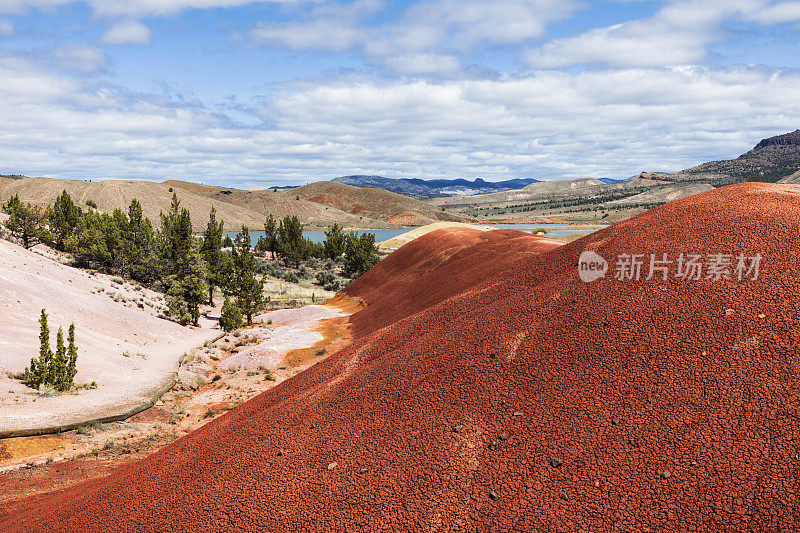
(373, 203)
(434, 188)
(508, 395)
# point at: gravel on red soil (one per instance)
(512, 397)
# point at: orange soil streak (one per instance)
(20, 447)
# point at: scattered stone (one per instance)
(729, 312)
(503, 436)
(493, 445)
(362, 471)
(333, 465)
(762, 315)
(616, 421)
(519, 413)
(280, 452)
(693, 463)
(564, 497)
(458, 429)
(596, 484)
(492, 355)
(555, 462)
(666, 474)
(494, 496)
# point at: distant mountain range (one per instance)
(435, 188)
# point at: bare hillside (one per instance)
(111, 194)
(234, 207)
(281, 203)
(122, 345)
(373, 203)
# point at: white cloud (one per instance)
(428, 35)
(79, 58)
(548, 124)
(677, 34)
(132, 8)
(6, 29)
(331, 26)
(776, 13)
(132, 32)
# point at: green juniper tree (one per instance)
(63, 219)
(231, 317)
(271, 234)
(26, 223)
(246, 286)
(291, 244)
(57, 370)
(72, 355)
(184, 268)
(219, 263)
(360, 254)
(138, 244)
(335, 241)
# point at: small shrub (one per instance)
(291, 277)
(251, 373)
(117, 280)
(216, 377)
(231, 317)
(321, 351)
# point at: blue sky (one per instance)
(250, 94)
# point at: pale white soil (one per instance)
(122, 345)
(290, 329)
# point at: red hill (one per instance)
(519, 399)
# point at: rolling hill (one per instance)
(373, 203)
(382, 209)
(489, 389)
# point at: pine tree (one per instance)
(138, 244)
(63, 219)
(39, 371)
(247, 288)
(58, 369)
(360, 254)
(219, 263)
(231, 317)
(186, 271)
(290, 241)
(72, 355)
(335, 240)
(27, 222)
(271, 234)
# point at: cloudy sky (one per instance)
(248, 94)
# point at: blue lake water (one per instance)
(386, 234)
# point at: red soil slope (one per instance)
(448, 418)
